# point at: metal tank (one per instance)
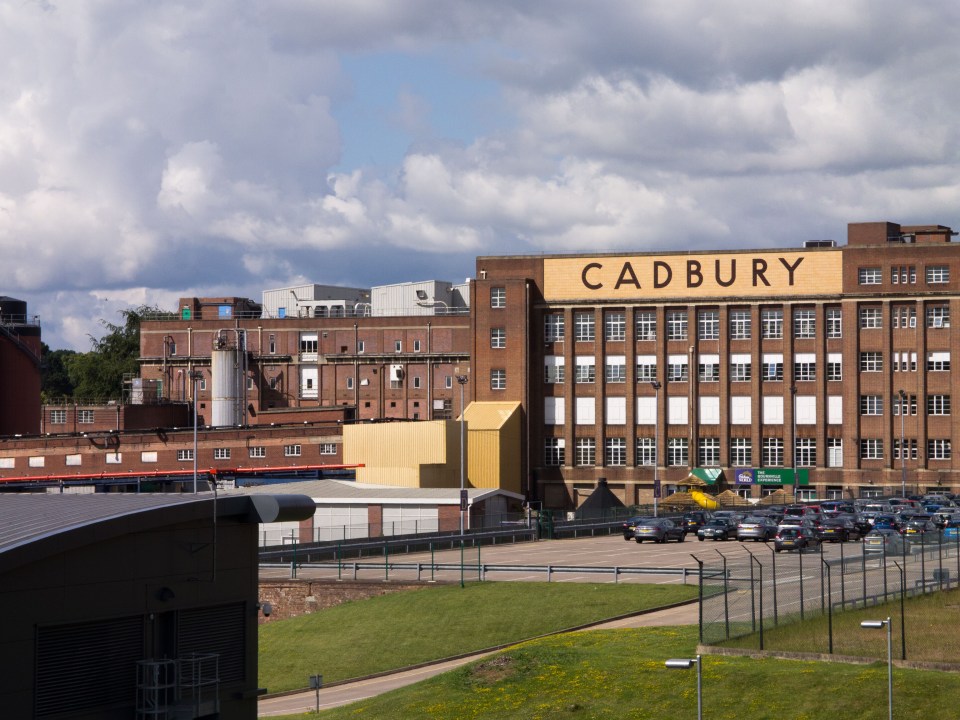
(227, 389)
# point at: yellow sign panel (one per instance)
(661, 277)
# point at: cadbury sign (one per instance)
(711, 275)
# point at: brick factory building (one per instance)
(19, 369)
(738, 367)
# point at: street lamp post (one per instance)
(876, 625)
(195, 376)
(655, 384)
(903, 449)
(686, 664)
(793, 443)
(462, 380)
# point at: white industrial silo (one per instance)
(226, 387)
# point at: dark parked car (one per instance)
(629, 526)
(883, 540)
(659, 530)
(717, 529)
(920, 528)
(838, 529)
(758, 528)
(795, 537)
(695, 520)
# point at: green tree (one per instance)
(97, 376)
(55, 381)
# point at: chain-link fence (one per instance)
(745, 591)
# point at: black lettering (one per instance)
(627, 277)
(790, 268)
(733, 274)
(583, 276)
(659, 265)
(759, 268)
(694, 276)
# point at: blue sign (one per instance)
(743, 476)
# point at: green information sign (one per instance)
(770, 476)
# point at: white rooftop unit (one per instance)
(429, 297)
(315, 301)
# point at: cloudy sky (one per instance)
(153, 150)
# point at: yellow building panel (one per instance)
(657, 278)
(398, 453)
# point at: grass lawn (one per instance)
(407, 628)
(620, 674)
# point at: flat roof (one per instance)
(342, 492)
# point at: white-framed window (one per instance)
(349, 383)
(772, 410)
(645, 322)
(938, 361)
(708, 325)
(904, 316)
(615, 452)
(806, 452)
(903, 274)
(328, 448)
(36, 461)
(498, 297)
(709, 452)
(740, 324)
(772, 452)
(272, 344)
(554, 367)
(871, 405)
(676, 325)
(938, 404)
(416, 346)
(616, 410)
(835, 410)
(584, 326)
(646, 368)
(869, 276)
(804, 366)
(871, 318)
(871, 449)
(291, 450)
(646, 409)
(806, 409)
(937, 274)
(741, 452)
(309, 343)
(938, 316)
(677, 368)
(448, 381)
(147, 456)
(772, 366)
(741, 369)
(677, 410)
(417, 382)
(804, 323)
(586, 452)
(85, 417)
(398, 345)
(615, 325)
(834, 452)
(646, 451)
(771, 323)
(185, 454)
(834, 322)
(677, 452)
(553, 411)
(361, 346)
(907, 405)
(58, 417)
(616, 369)
(257, 451)
(871, 361)
(904, 362)
(909, 444)
(498, 379)
(938, 449)
(709, 409)
(498, 338)
(741, 409)
(221, 453)
(708, 368)
(586, 369)
(553, 451)
(586, 411)
(113, 458)
(834, 366)
(553, 328)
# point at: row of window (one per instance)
(904, 274)
(310, 345)
(741, 452)
(906, 405)
(740, 323)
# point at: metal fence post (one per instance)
(829, 599)
(903, 627)
(699, 595)
(773, 557)
(726, 595)
(800, 555)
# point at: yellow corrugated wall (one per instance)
(494, 454)
(405, 454)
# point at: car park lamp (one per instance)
(877, 625)
(686, 664)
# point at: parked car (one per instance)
(695, 519)
(795, 537)
(838, 529)
(718, 529)
(758, 528)
(883, 540)
(629, 526)
(919, 527)
(659, 530)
